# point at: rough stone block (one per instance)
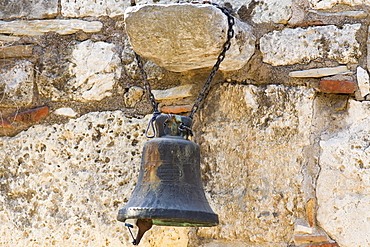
(133, 96)
(181, 37)
(40, 27)
(16, 84)
(363, 81)
(62, 173)
(344, 180)
(69, 180)
(35, 9)
(353, 13)
(298, 45)
(332, 86)
(252, 140)
(327, 4)
(174, 93)
(16, 51)
(272, 11)
(320, 72)
(95, 69)
(83, 8)
(65, 111)
(302, 226)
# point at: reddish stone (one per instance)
(310, 211)
(4, 123)
(176, 109)
(328, 86)
(32, 115)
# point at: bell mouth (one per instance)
(170, 217)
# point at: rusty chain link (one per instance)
(204, 92)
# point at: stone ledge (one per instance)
(179, 92)
(16, 51)
(40, 27)
(319, 72)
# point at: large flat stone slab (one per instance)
(181, 37)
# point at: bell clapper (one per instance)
(144, 225)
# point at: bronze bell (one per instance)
(169, 190)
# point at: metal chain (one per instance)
(204, 92)
(226, 46)
(151, 98)
(147, 86)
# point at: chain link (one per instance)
(147, 86)
(151, 98)
(226, 46)
(204, 92)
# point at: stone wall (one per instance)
(284, 131)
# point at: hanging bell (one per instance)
(169, 190)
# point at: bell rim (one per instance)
(170, 217)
